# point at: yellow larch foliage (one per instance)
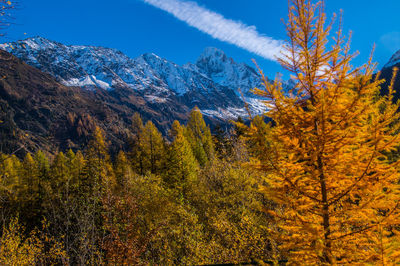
(14, 250)
(99, 166)
(327, 159)
(36, 249)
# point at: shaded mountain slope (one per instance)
(39, 112)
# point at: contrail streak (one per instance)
(221, 28)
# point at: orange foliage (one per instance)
(327, 159)
(124, 243)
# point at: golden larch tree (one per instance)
(326, 157)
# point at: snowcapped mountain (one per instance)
(224, 71)
(394, 60)
(212, 83)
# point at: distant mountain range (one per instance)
(53, 94)
(212, 83)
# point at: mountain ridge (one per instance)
(213, 76)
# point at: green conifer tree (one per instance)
(76, 164)
(136, 153)
(153, 148)
(99, 171)
(59, 173)
(199, 137)
(182, 165)
(43, 166)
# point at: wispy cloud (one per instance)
(220, 28)
(391, 41)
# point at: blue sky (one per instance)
(136, 27)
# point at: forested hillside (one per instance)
(189, 201)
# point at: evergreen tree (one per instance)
(136, 153)
(76, 164)
(182, 165)
(152, 148)
(98, 167)
(259, 145)
(97, 183)
(199, 137)
(43, 165)
(59, 173)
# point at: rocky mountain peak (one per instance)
(40, 43)
(151, 58)
(394, 60)
(213, 60)
(33, 44)
(212, 54)
(224, 71)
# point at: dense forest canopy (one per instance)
(188, 201)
